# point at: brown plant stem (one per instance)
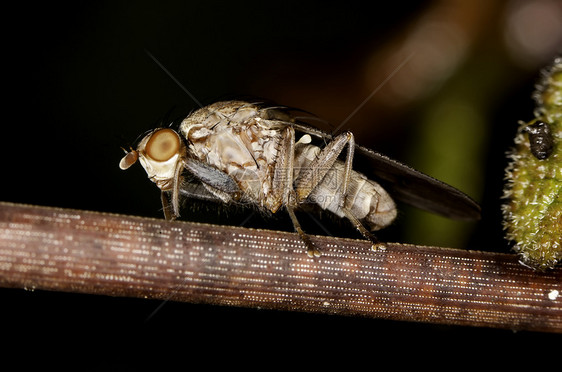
(96, 253)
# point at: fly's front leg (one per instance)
(283, 186)
(169, 214)
(171, 205)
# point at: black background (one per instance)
(79, 83)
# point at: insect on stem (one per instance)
(238, 152)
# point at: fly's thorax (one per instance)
(160, 153)
(220, 112)
(235, 140)
(214, 118)
(238, 144)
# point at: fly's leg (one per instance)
(376, 244)
(166, 207)
(171, 207)
(311, 249)
(283, 186)
(317, 170)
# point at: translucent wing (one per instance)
(402, 181)
(416, 188)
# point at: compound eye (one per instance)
(163, 144)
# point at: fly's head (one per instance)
(161, 153)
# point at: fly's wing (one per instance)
(407, 184)
(416, 188)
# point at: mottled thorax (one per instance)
(238, 143)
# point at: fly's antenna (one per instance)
(133, 144)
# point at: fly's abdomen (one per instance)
(365, 199)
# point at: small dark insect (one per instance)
(540, 139)
(242, 152)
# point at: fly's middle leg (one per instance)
(283, 173)
(311, 249)
(283, 193)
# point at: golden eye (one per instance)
(163, 144)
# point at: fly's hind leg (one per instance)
(315, 172)
(376, 244)
(317, 169)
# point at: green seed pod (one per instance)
(533, 211)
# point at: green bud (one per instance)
(533, 211)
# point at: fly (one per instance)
(242, 152)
